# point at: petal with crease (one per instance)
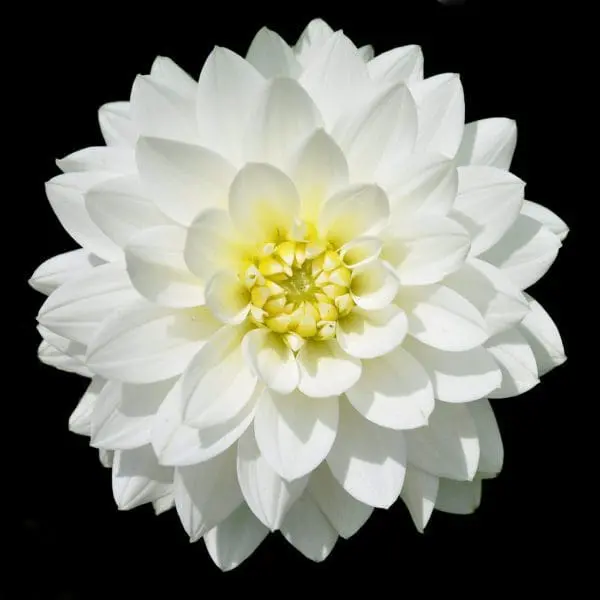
(374, 285)
(80, 421)
(491, 454)
(271, 55)
(458, 497)
(419, 494)
(399, 65)
(116, 125)
(546, 217)
(488, 142)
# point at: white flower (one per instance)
(300, 280)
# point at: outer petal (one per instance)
(80, 420)
(490, 442)
(110, 159)
(117, 127)
(311, 41)
(368, 461)
(271, 55)
(399, 65)
(546, 217)
(53, 356)
(419, 494)
(458, 497)
(59, 269)
(167, 72)
(489, 142)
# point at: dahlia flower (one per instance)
(301, 279)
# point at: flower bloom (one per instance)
(300, 281)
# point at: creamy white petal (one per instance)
(399, 65)
(368, 334)
(419, 493)
(163, 504)
(393, 391)
(294, 432)
(488, 202)
(360, 251)
(80, 420)
(344, 512)
(53, 357)
(458, 497)
(489, 142)
(117, 127)
(307, 529)
(448, 446)
(142, 343)
(111, 159)
(491, 454)
(227, 297)
(183, 179)
(271, 55)
(374, 285)
(268, 495)
(517, 362)
(326, 370)
(368, 461)
(311, 41)
(546, 217)
(167, 72)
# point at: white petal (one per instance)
(295, 433)
(490, 442)
(163, 504)
(158, 271)
(271, 360)
(312, 40)
(366, 52)
(117, 127)
(517, 362)
(54, 357)
(308, 530)
(110, 159)
(271, 55)
(440, 317)
(425, 249)
(263, 202)
(228, 298)
(441, 109)
(458, 497)
(543, 336)
(368, 334)
(235, 539)
(354, 211)
(419, 493)
(394, 391)
(374, 285)
(399, 65)
(325, 370)
(77, 308)
(360, 251)
(546, 217)
(489, 142)
(144, 343)
(267, 494)
(448, 446)
(457, 376)
(368, 460)
(525, 253)
(106, 458)
(488, 203)
(80, 420)
(182, 179)
(137, 478)
(167, 72)
(207, 493)
(120, 209)
(344, 512)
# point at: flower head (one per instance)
(300, 281)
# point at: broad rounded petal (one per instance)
(117, 127)
(489, 142)
(144, 343)
(457, 376)
(517, 362)
(77, 308)
(169, 73)
(158, 271)
(448, 446)
(137, 478)
(419, 493)
(319, 170)
(440, 317)
(357, 210)
(271, 360)
(526, 252)
(344, 512)
(458, 497)
(325, 370)
(66, 196)
(111, 159)
(488, 202)
(218, 384)
(546, 217)
(491, 292)
(490, 442)
(228, 298)
(80, 421)
(294, 432)
(207, 493)
(59, 269)
(227, 89)
(232, 541)
(106, 458)
(374, 285)
(311, 41)
(121, 210)
(368, 461)
(368, 334)
(307, 529)
(366, 52)
(441, 109)
(393, 391)
(543, 336)
(268, 495)
(425, 249)
(271, 55)
(399, 65)
(384, 129)
(183, 179)
(263, 202)
(360, 251)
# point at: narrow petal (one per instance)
(59, 359)
(325, 370)
(393, 391)
(294, 432)
(271, 55)
(110, 159)
(458, 497)
(489, 142)
(59, 269)
(399, 65)
(448, 446)
(312, 40)
(546, 217)
(163, 504)
(117, 127)
(80, 421)
(367, 460)
(419, 493)
(167, 72)
(374, 285)
(490, 442)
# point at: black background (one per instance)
(72, 541)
